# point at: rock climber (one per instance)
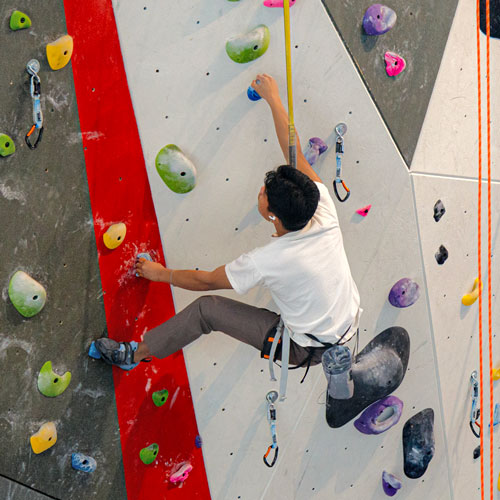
(304, 266)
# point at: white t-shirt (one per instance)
(308, 275)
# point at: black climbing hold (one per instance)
(477, 452)
(439, 210)
(418, 443)
(378, 371)
(494, 18)
(441, 255)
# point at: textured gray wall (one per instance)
(419, 36)
(46, 230)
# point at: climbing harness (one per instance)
(341, 129)
(475, 410)
(292, 159)
(33, 67)
(271, 398)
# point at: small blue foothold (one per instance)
(82, 462)
(143, 256)
(253, 94)
(198, 442)
(93, 352)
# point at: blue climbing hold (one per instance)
(198, 442)
(253, 95)
(143, 256)
(82, 462)
(93, 352)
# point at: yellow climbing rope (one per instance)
(292, 159)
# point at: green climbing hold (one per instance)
(7, 146)
(19, 21)
(26, 294)
(51, 384)
(176, 170)
(160, 397)
(148, 454)
(250, 46)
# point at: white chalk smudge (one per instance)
(174, 397)
(148, 385)
(10, 194)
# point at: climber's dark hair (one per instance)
(293, 197)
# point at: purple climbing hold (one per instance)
(315, 147)
(378, 19)
(390, 483)
(404, 293)
(198, 442)
(380, 416)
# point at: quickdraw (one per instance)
(271, 398)
(341, 129)
(33, 67)
(475, 412)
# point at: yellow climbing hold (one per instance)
(469, 298)
(45, 438)
(495, 374)
(115, 235)
(59, 52)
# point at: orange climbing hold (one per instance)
(59, 52)
(45, 438)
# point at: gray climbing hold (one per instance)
(439, 210)
(418, 443)
(26, 294)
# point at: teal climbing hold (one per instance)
(26, 294)
(148, 454)
(160, 397)
(7, 146)
(51, 384)
(19, 21)
(175, 169)
(249, 46)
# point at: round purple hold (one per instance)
(378, 19)
(390, 483)
(404, 293)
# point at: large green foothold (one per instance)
(26, 294)
(148, 454)
(160, 397)
(250, 46)
(7, 146)
(176, 170)
(19, 21)
(51, 384)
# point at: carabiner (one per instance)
(341, 129)
(274, 458)
(38, 139)
(347, 194)
(475, 412)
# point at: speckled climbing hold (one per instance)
(182, 473)
(148, 454)
(26, 294)
(469, 298)
(394, 63)
(7, 146)
(277, 3)
(314, 149)
(249, 46)
(378, 19)
(441, 255)
(59, 52)
(418, 443)
(380, 416)
(160, 397)
(253, 95)
(198, 442)
(439, 210)
(404, 293)
(45, 438)
(143, 255)
(390, 483)
(364, 211)
(114, 235)
(19, 21)
(175, 169)
(51, 384)
(83, 463)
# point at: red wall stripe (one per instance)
(120, 192)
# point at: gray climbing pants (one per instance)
(248, 324)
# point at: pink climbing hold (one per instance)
(394, 64)
(182, 473)
(276, 3)
(364, 211)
